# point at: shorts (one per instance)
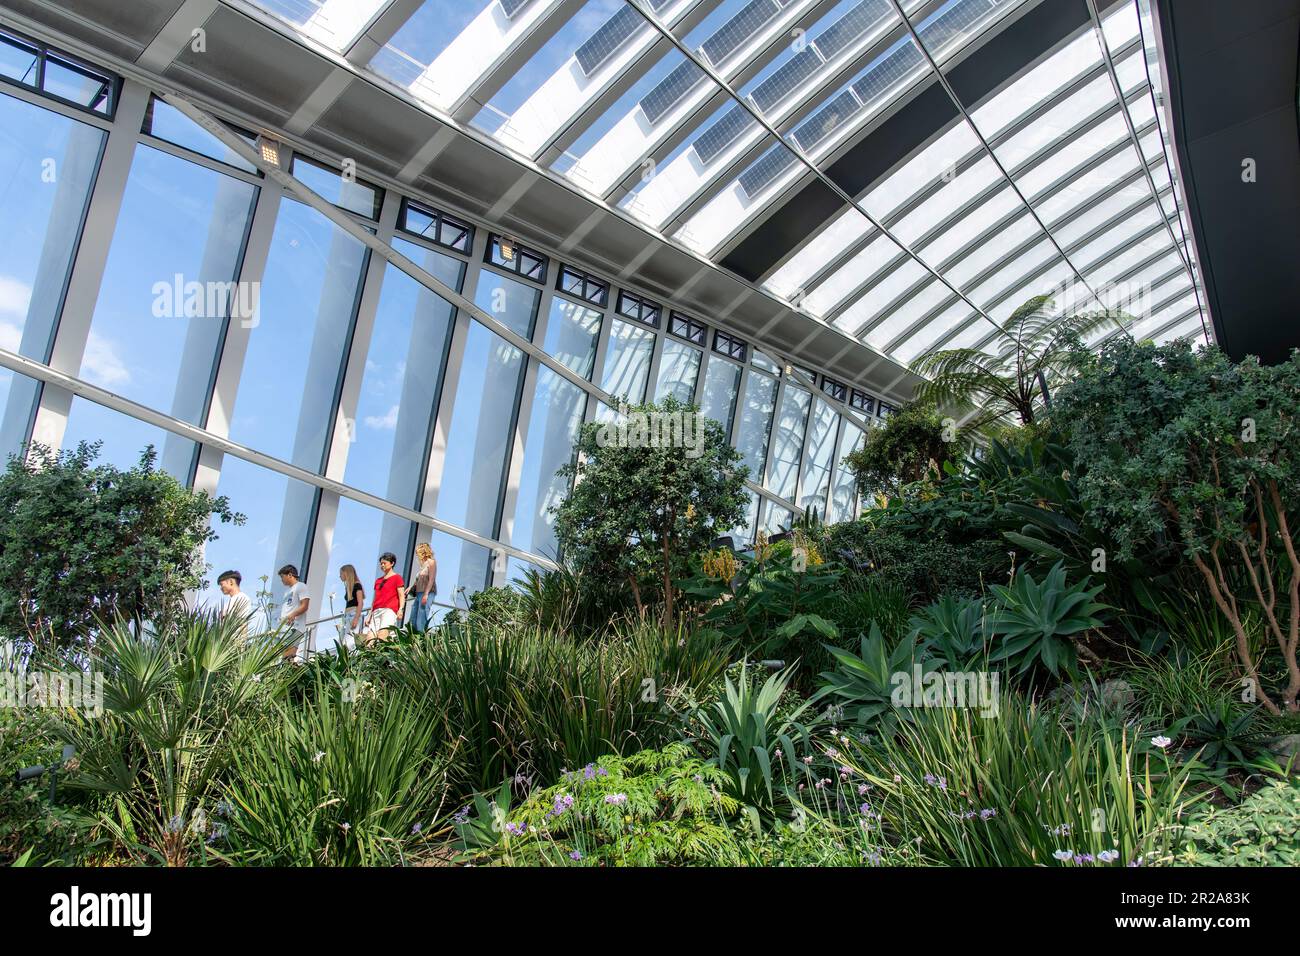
(382, 618)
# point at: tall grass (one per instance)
(528, 705)
(1019, 788)
(332, 783)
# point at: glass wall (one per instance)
(442, 423)
(48, 162)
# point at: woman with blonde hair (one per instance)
(354, 610)
(425, 587)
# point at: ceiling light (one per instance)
(269, 149)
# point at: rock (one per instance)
(1117, 695)
(1286, 747)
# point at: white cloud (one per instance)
(15, 296)
(102, 365)
(386, 422)
(11, 336)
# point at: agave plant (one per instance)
(741, 733)
(953, 629)
(863, 684)
(1036, 621)
(1038, 348)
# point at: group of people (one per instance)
(390, 603)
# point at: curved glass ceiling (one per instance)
(703, 118)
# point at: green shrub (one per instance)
(745, 736)
(912, 441)
(1036, 623)
(29, 824)
(862, 685)
(172, 701)
(652, 808)
(1018, 788)
(955, 631)
(527, 704)
(1264, 830)
(331, 783)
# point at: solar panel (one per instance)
(733, 124)
(511, 7)
(786, 79)
(954, 21)
(888, 71)
(733, 34)
(761, 174)
(851, 27)
(607, 40)
(670, 90)
(826, 120)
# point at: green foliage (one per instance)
(172, 701)
(1224, 738)
(30, 826)
(1263, 831)
(652, 808)
(639, 509)
(862, 685)
(1038, 622)
(955, 631)
(82, 543)
(1019, 787)
(1039, 349)
(749, 740)
(330, 783)
(1193, 448)
(911, 442)
(778, 602)
(526, 704)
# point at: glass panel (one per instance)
(718, 401)
(167, 122)
(125, 438)
(481, 433)
(280, 512)
(558, 407)
(298, 342)
(402, 380)
(775, 518)
(571, 335)
(627, 364)
(787, 442)
(821, 452)
(347, 193)
(756, 422)
(56, 158)
(170, 285)
(463, 570)
(679, 368)
(336, 23)
(844, 495)
(510, 302)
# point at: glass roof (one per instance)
(701, 119)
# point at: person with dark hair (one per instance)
(386, 610)
(237, 605)
(293, 610)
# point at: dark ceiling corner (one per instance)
(1233, 92)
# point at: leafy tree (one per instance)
(1037, 351)
(901, 451)
(82, 543)
(644, 501)
(1205, 452)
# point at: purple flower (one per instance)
(515, 829)
(575, 856)
(417, 828)
(617, 799)
(988, 814)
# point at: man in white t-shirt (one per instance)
(293, 609)
(237, 605)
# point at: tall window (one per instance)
(558, 407)
(679, 367)
(402, 380)
(721, 382)
(299, 339)
(48, 164)
(821, 456)
(787, 442)
(756, 411)
(168, 290)
(844, 493)
(571, 334)
(627, 365)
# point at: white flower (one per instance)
(1108, 856)
(318, 756)
(1064, 855)
(1161, 741)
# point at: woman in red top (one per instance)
(386, 610)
